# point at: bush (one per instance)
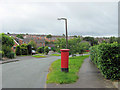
(24, 51)
(53, 49)
(6, 49)
(10, 55)
(1, 54)
(46, 50)
(24, 45)
(18, 50)
(40, 50)
(107, 58)
(29, 47)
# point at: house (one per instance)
(40, 41)
(14, 46)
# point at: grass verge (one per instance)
(56, 76)
(55, 54)
(38, 56)
(86, 53)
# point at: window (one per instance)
(14, 47)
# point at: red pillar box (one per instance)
(64, 59)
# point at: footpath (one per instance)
(89, 77)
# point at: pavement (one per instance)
(29, 72)
(119, 85)
(7, 61)
(89, 77)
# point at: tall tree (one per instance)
(49, 36)
(118, 39)
(7, 43)
(33, 44)
(112, 39)
(20, 36)
(91, 40)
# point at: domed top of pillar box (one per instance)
(64, 50)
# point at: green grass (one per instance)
(55, 54)
(85, 52)
(56, 76)
(38, 56)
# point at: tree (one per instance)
(46, 42)
(112, 39)
(40, 50)
(91, 40)
(33, 44)
(24, 49)
(63, 35)
(75, 36)
(7, 43)
(104, 41)
(82, 47)
(29, 47)
(24, 45)
(94, 42)
(18, 50)
(72, 45)
(46, 50)
(88, 38)
(20, 36)
(53, 49)
(49, 36)
(8, 33)
(60, 44)
(118, 39)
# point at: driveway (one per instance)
(29, 72)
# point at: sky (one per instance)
(84, 18)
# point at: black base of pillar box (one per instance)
(64, 69)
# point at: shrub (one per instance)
(107, 58)
(6, 49)
(18, 50)
(1, 54)
(46, 50)
(40, 50)
(24, 45)
(53, 49)
(10, 55)
(29, 47)
(24, 51)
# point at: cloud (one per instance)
(96, 19)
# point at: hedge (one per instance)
(10, 55)
(53, 49)
(40, 50)
(1, 54)
(107, 58)
(18, 50)
(29, 47)
(46, 50)
(24, 50)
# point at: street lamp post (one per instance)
(66, 30)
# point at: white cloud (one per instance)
(83, 18)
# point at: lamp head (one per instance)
(62, 19)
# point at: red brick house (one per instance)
(14, 47)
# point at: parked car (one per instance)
(49, 48)
(33, 52)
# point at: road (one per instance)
(29, 72)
